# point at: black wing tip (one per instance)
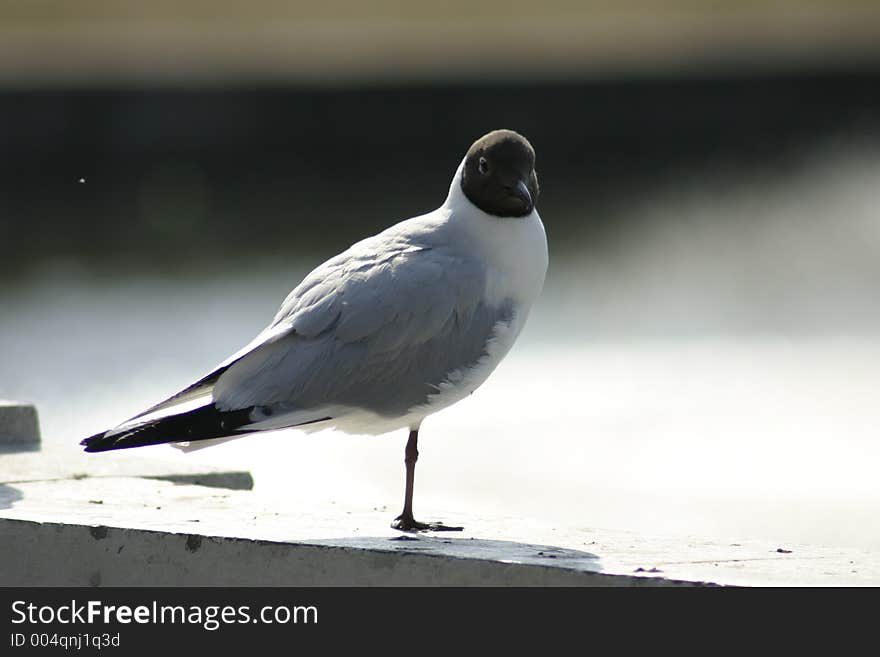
(142, 435)
(199, 424)
(92, 440)
(100, 442)
(202, 423)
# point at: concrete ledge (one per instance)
(19, 427)
(146, 532)
(57, 554)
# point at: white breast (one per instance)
(514, 251)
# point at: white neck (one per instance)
(514, 247)
(456, 195)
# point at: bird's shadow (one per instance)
(474, 548)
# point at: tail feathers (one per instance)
(202, 423)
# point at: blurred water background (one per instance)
(705, 359)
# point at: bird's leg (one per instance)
(405, 522)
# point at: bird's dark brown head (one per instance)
(499, 174)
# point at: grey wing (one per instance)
(377, 334)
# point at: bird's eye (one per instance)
(484, 166)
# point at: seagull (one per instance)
(399, 326)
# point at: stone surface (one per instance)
(19, 426)
(122, 530)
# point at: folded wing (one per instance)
(380, 328)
